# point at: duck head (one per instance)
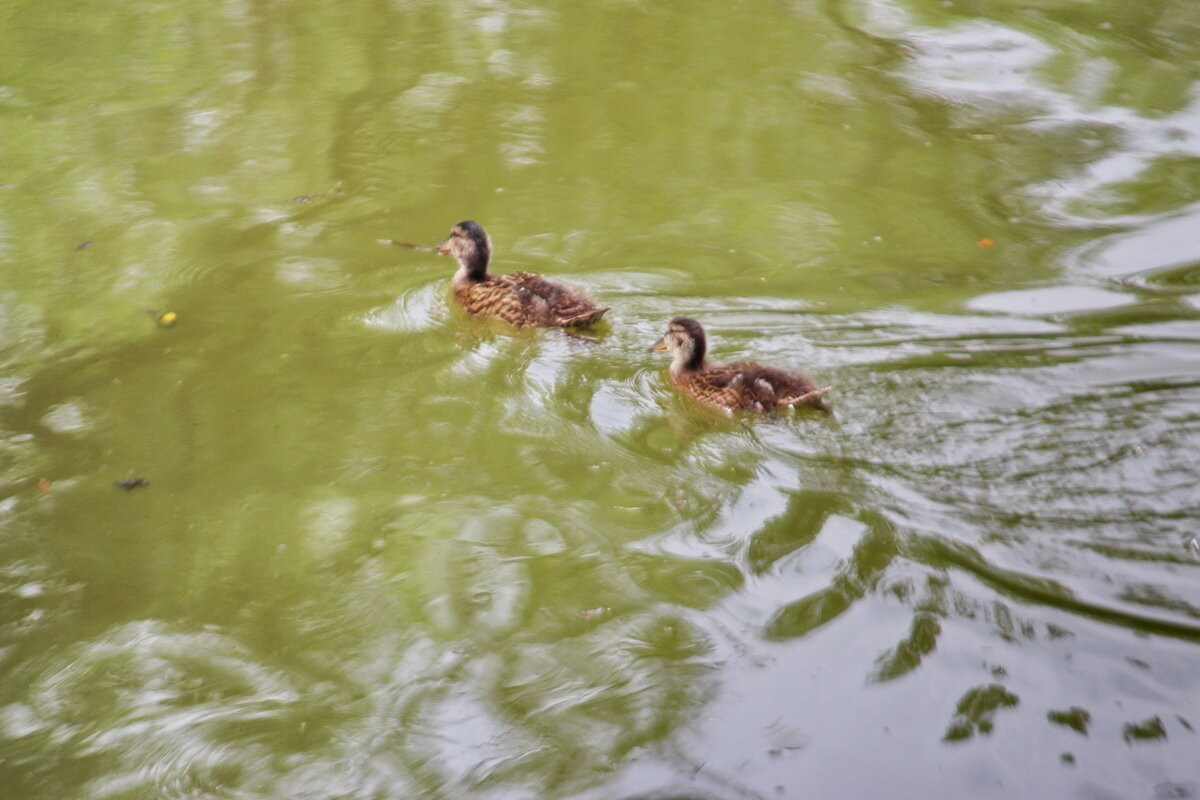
(687, 343)
(472, 247)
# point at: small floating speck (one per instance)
(129, 484)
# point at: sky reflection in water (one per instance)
(389, 551)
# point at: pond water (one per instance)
(372, 548)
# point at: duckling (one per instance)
(519, 298)
(742, 385)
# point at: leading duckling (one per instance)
(739, 386)
(523, 299)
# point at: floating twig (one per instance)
(409, 245)
(308, 198)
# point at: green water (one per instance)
(389, 551)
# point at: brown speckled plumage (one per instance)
(738, 386)
(519, 298)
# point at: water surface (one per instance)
(385, 550)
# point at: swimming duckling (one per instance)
(519, 298)
(742, 385)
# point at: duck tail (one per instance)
(812, 398)
(589, 317)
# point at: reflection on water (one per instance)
(386, 550)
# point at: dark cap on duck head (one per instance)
(685, 337)
(471, 232)
(465, 229)
(688, 326)
(471, 229)
(470, 245)
(684, 327)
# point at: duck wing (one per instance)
(724, 387)
(560, 306)
(528, 300)
(768, 388)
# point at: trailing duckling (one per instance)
(524, 299)
(739, 386)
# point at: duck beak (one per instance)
(443, 249)
(661, 344)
